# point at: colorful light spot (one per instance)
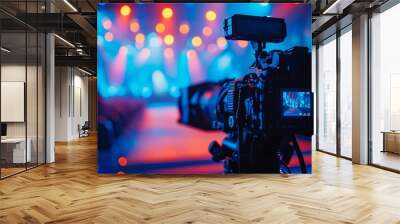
(155, 41)
(125, 10)
(211, 15)
(143, 55)
(197, 41)
(169, 39)
(160, 28)
(123, 49)
(107, 24)
(167, 13)
(134, 26)
(191, 53)
(160, 83)
(207, 31)
(168, 53)
(221, 43)
(122, 161)
(184, 28)
(139, 38)
(146, 92)
(242, 43)
(109, 36)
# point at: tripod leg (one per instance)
(299, 154)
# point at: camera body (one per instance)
(275, 100)
(261, 111)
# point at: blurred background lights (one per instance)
(123, 49)
(155, 41)
(125, 10)
(100, 40)
(168, 53)
(143, 55)
(167, 13)
(169, 39)
(207, 31)
(174, 91)
(191, 53)
(160, 84)
(182, 44)
(211, 15)
(160, 28)
(196, 41)
(221, 43)
(139, 38)
(146, 92)
(122, 161)
(107, 24)
(242, 43)
(134, 26)
(212, 48)
(109, 36)
(184, 28)
(224, 61)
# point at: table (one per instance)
(391, 141)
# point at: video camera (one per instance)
(261, 111)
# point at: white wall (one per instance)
(61, 104)
(71, 94)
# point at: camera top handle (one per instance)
(257, 29)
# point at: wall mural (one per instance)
(204, 88)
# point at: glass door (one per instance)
(22, 77)
(327, 96)
(14, 155)
(345, 92)
(385, 89)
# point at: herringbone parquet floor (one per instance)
(70, 191)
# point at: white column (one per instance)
(314, 90)
(360, 90)
(50, 99)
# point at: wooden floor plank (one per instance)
(70, 191)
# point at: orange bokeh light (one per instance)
(109, 36)
(139, 38)
(160, 28)
(122, 161)
(134, 26)
(107, 24)
(197, 41)
(168, 53)
(242, 43)
(207, 31)
(169, 39)
(211, 15)
(221, 42)
(125, 10)
(184, 28)
(167, 13)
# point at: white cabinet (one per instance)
(19, 155)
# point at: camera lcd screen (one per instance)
(296, 103)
